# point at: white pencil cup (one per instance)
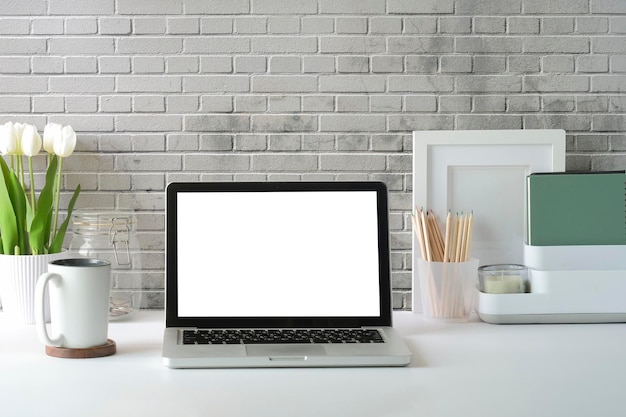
(448, 289)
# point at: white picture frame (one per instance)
(483, 171)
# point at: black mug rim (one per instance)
(80, 262)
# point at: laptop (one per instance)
(268, 274)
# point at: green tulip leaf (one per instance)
(8, 222)
(18, 197)
(40, 226)
(57, 242)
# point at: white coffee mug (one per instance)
(79, 291)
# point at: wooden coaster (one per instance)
(107, 349)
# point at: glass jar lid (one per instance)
(103, 221)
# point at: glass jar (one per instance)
(503, 279)
(110, 235)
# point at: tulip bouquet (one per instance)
(28, 225)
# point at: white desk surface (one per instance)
(458, 370)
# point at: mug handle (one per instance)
(40, 319)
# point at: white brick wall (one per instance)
(223, 90)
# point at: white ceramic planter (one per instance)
(18, 278)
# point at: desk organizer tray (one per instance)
(568, 284)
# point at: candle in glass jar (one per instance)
(502, 279)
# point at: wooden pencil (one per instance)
(436, 241)
(426, 236)
(417, 228)
(446, 248)
(459, 239)
(468, 240)
(463, 238)
(454, 239)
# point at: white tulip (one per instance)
(31, 141)
(51, 132)
(64, 146)
(8, 139)
(19, 130)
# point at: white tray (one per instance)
(575, 257)
(584, 296)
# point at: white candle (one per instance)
(503, 284)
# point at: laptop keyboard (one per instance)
(263, 336)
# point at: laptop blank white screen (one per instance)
(278, 254)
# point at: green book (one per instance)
(576, 209)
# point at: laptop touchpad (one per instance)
(285, 350)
